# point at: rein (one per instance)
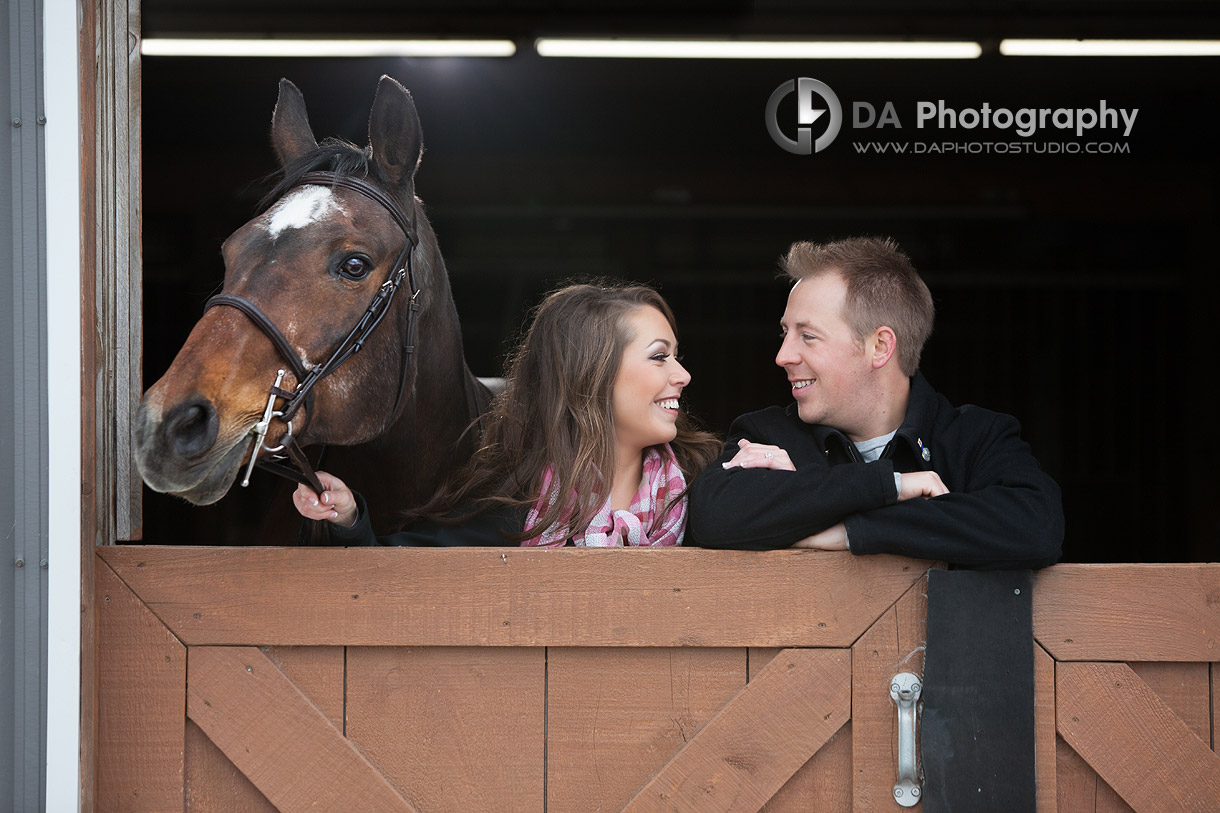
(302, 395)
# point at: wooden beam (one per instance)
(278, 738)
(458, 728)
(1045, 761)
(1133, 739)
(895, 643)
(823, 783)
(1215, 694)
(874, 717)
(513, 596)
(1076, 783)
(212, 781)
(1156, 612)
(754, 744)
(140, 736)
(616, 716)
(94, 514)
(1185, 688)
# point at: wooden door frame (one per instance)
(110, 318)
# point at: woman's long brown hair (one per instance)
(556, 410)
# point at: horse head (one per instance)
(343, 243)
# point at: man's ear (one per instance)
(882, 346)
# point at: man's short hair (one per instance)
(883, 288)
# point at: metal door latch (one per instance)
(904, 691)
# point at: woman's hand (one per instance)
(752, 455)
(336, 504)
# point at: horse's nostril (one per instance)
(191, 428)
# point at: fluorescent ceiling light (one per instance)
(324, 47)
(756, 49)
(1110, 47)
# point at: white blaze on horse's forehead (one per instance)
(299, 208)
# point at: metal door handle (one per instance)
(904, 690)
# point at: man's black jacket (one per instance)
(1002, 511)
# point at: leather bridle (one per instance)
(307, 377)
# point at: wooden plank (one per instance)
(754, 744)
(1185, 688)
(895, 643)
(1076, 782)
(142, 674)
(114, 320)
(456, 728)
(1044, 731)
(1154, 612)
(1133, 739)
(1215, 679)
(911, 615)
(93, 513)
(1108, 800)
(513, 596)
(615, 716)
(128, 297)
(277, 737)
(215, 783)
(874, 726)
(823, 783)
(1080, 788)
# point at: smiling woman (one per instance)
(649, 383)
(587, 445)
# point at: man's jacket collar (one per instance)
(915, 432)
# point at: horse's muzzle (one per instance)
(177, 452)
(190, 428)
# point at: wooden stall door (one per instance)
(1126, 664)
(282, 679)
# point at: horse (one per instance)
(290, 353)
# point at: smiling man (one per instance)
(869, 458)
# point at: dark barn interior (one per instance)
(1076, 291)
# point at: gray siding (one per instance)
(23, 448)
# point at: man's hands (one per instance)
(336, 504)
(752, 455)
(921, 484)
(833, 538)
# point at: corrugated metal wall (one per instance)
(23, 455)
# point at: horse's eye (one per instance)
(355, 268)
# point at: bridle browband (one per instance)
(307, 378)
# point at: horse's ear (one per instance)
(395, 134)
(290, 132)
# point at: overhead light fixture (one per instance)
(1017, 47)
(754, 49)
(166, 46)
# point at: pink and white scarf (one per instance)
(662, 483)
